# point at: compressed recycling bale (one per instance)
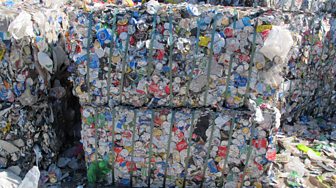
(143, 69)
(26, 66)
(309, 86)
(139, 155)
(143, 57)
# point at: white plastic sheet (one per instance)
(22, 26)
(31, 179)
(277, 44)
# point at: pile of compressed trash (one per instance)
(163, 147)
(31, 56)
(28, 62)
(242, 57)
(173, 95)
(150, 63)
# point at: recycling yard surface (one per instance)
(167, 94)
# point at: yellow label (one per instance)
(225, 21)
(129, 3)
(86, 9)
(116, 59)
(157, 132)
(237, 99)
(128, 148)
(259, 66)
(258, 185)
(122, 22)
(79, 90)
(96, 44)
(7, 128)
(262, 28)
(246, 130)
(204, 41)
(218, 159)
(128, 70)
(2, 53)
(179, 182)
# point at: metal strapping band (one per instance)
(231, 59)
(228, 147)
(249, 153)
(190, 75)
(96, 134)
(214, 25)
(88, 56)
(121, 88)
(168, 147)
(110, 56)
(112, 148)
(251, 62)
(189, 148)
(212, 123)
(150, 148)
(133, 143)
(150, 55)
(171, 60)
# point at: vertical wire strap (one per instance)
(121, 88)
(171, 60)
(214, 25)
(112, 148)
(96, 134)
(150, 56)
(88, 56)
(209, 148)
(251, 62)
(96, 139)
(133, 143)
(189, 148)
(231, 60)
(228, 148)
(249, 153)
(228, 77)
(170, 94)
(150, 148)
(168, 148)
(110, 57)
(190, 75)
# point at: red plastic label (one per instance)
(222, 150)
(181, 145)
(261, 143)
(271, 155)
(153, 88)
